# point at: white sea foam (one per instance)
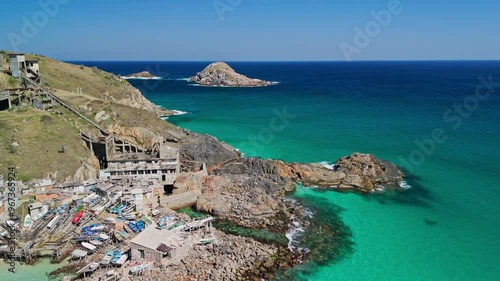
(404, 185)
(142, 78)
(378, 188)
(179, 112)
(297, 227)
(328, 165)
(226, 86)
(243, 155)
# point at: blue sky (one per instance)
(261, 30)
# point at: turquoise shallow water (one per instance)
(25, 272)
(444, 228)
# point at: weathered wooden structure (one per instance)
(5, 102)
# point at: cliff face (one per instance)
(221, 74)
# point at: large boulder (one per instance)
(188, 181)
(205, 148)
(365, 171)
(241, 199)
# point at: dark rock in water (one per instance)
(205, 148)
(221, 74)
(430, 222)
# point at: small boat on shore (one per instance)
(88, 246)
(118, 236)
(128, 209)
(138, 268)
(130, 216)
(147, 221)
(103, 237)
(95, 242)
(121, 260)
(97, 227)
(3, 232)
(27, 221)
(123, 233)
(127, 228)
(175, 225)
(206, 241)
(77, 217)
(155, 212)
(140, 225)
(132, 226)
(110, 220)
(106, 259)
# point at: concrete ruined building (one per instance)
(19, 65)
(27, 71)
(126, 160)
(121, 160)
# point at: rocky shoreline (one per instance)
(252, 193)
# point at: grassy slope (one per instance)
(39, 135)
(37, 154)
(101, 90)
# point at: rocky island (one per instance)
(221, 74)
(141, 75)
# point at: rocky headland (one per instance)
(247, 192)
(250, 191)
(221, 74)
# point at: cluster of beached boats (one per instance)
(115, 256)
(123, 208)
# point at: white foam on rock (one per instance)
(404, 185)
(296, 228)
(328, 164)
(179, 112)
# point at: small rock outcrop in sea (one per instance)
(358, 171)
(221, 74)
(142, 74)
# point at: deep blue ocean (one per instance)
(437, 120)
